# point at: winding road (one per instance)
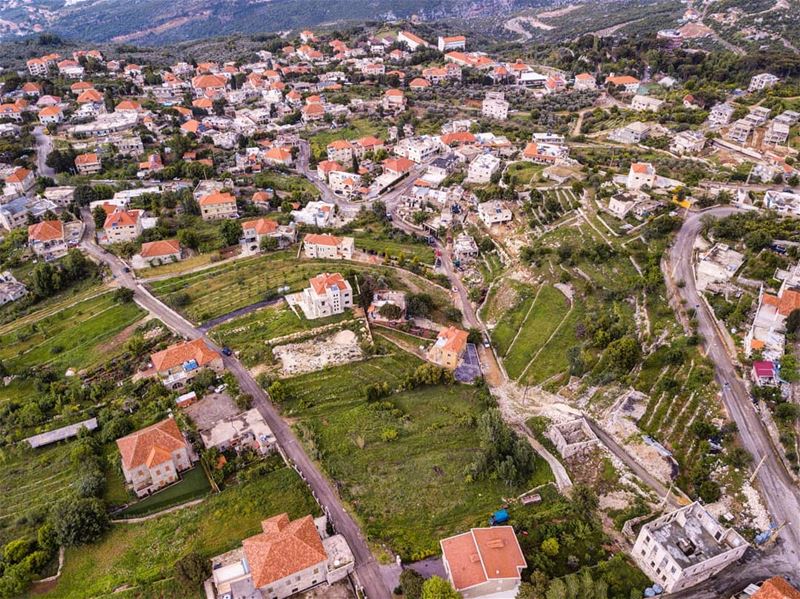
(366, 566)
(776, 484)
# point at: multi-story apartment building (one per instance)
(328, 247)
(327, 294)
(218, 205)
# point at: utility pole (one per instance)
(755, 472)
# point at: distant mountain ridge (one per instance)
(155, 22)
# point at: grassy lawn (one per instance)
(31, 480)
(524, 171)
(553, 359)
(548, 310)
(142, 555)
(115, 492)
(399, 462)
(73, 337)
(176, 267)
(193, 484)
(249, 334)
(12, 318)
(233, 285)
(287, 183)
(422, 252)
(355, 129)
(511, 322)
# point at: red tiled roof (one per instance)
(47, 230)
(164, 247)
(122, 218)
(326, 280)
(398, 165)
(322, 239)
(284, 548)
(483, 554)
(217, 198)
(90, 158)
(197, 350)
(152, 445)
(777, 588)
(263, 226)
(455, 340)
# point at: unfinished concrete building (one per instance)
(686, 547)
(573, 438)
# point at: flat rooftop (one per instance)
(691, 536)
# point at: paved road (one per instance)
(777, 486)
(366, 567)
(44, 145)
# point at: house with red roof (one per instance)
(764, 373)
(328, 247)
(123, 225)
(452, 42)
(341, 151)
(325, 167)
(255, 231)
(484, 562)
(585, 81)
(88, 164)
(21, 181)
(218, 205)
(641, 174)
(411, 40)
(177, 365)
(776, 588)
(286, 558)
(631, 84)
(51, 115)
(326, 295)
(397, 166)
(153, 457)
(47, 239)
(448, 348)
(155, 253)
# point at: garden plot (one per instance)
(318, 353)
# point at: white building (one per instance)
(762, 81)
(328, 247)
(688, 142)
(327, 294)
(10, 289)
(784, 202)
(315, 214)
(455, 42)
(720, 115)
(495, 106)
(647, 103)
(482, 168)
(641, 174)
(412, 41)
(494, 212)
(682, 549)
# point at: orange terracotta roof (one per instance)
(164, 247)
(208, 81)
(279, 154)
(455, 340)
(180, 353)
(50, 111)
(90, 95)
(329, 165)
(263, 226)
(90, 158)
(18, 176)
(322, 239)
(340, 144)
(283, 548)
(622, 80)
(398, 165)
(128, 105)
(789, 302)
(137, 449)
(458, 137)
(641, 168)
(47, 230)
(327, 280)
(217, 198)
(419, 82)
(122, 218)
(483, 554)
(776, 588)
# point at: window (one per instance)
(316, 570)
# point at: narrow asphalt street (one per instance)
(44, 145)
(776, 484)
(366, 566)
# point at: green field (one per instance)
(72, 337)
(511, 321)
(552, 360)
(31, 480)
(421, 252)
(193, 484)
(549, 309)
(400, 462)
(142, 555)
(249, 334)
(222, 289)
(355, 129)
